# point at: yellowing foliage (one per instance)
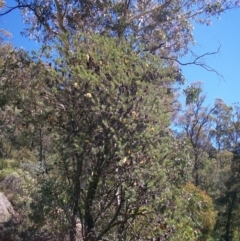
(201, 207)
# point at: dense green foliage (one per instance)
(86, 148)
(105, 160)
(213, 134)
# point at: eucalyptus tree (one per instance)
(106, 111)
(196, 124)
(109, 162)
(222, 116)
(227, 135)
(163, 27)
(101, 104)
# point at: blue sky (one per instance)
(224, 32)
(14, 24)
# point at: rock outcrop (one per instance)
(6, 209)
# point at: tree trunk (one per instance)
(89, 222)
(1, 150)
(121, 233)
(229, 217)
(73, 228)
(40, 146)
(196, 170)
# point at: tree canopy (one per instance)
(86, 126)
(162, 27)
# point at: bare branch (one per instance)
(13, 8)
(149, 11)
(60, 17)
(197, 62)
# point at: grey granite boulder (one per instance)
(6, 209)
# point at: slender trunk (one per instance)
(229, 218)
(1, 149)
(40, 146)
(196, 170)
(121, 233)
(89, 222)
(76, 195)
